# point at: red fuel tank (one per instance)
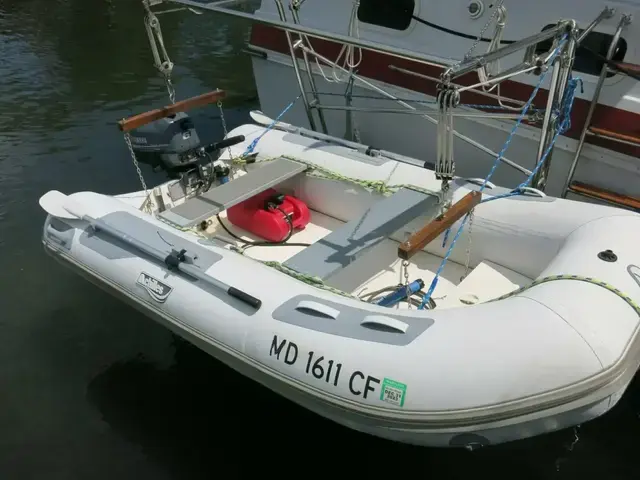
(258, 215)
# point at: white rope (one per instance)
(349, 52)
(485, 73)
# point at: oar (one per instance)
(59, 205)
(262, 119)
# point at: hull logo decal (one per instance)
(157, 290)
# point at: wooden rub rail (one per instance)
(430, 232)
(615, 135)
(606, 195)
(632, 67)
(131, 123)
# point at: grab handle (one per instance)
(533, 191)
(317, 309)
(379, 322)
(245, 297)
(63, 238)
(227, 142)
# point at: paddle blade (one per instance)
(260, 117)
(53, 202)
(57, 204)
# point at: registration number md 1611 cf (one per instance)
(333, 373)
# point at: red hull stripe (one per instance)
(375, 66)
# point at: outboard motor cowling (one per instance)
(171, 144)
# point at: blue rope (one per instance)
(253, 144)
(525, 109)
(563, 126)
(446, 237)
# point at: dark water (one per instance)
(91, 389)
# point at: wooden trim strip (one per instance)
(131, 123)
(615, 135)
(632, 67)
(430, 232)
(607, 195)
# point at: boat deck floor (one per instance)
(380, 267)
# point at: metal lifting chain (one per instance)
(148, 205)
(477, 41)
(165, 66)
(405, 268)
(470, 230)
(162, 63)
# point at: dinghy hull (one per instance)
(467, 436)
(556, 353)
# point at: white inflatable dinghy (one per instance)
(532, 326)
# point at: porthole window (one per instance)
(595, 43)
(394, 14)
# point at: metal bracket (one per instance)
(448, 98)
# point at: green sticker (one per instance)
(393, 392)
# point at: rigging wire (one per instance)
(436, 277)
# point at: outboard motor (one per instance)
(172, 145)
